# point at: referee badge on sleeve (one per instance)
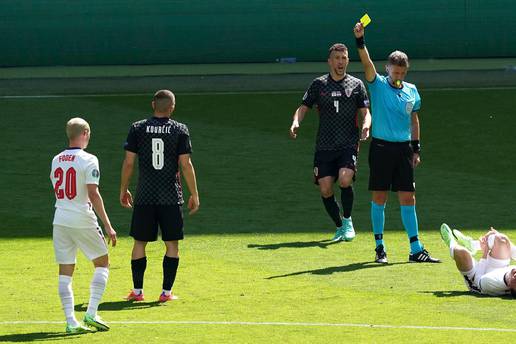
(95, 173)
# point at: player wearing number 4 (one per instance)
(75, 176)
(395, 148)
(339, 98)
(161, 144)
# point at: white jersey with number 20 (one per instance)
(72, 170)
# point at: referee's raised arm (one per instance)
(369, 69)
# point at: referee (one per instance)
(395, 147)
(339, 98)
(161, 144)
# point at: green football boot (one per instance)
(466, 241)
(96, 322)
(447, 235)
(77, 329)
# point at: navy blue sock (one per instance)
(332, 208)
(170, 265)
(346, 198)
(138, 267)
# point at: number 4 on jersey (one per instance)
(336, 104)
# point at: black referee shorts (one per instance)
(390, 166)
(147, 218)
(328, 163)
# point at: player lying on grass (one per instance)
(492, 274)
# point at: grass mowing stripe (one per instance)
(49, 96)
(270, 323)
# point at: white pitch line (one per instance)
(50, 96)
(298, 324)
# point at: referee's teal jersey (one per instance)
(392, 109)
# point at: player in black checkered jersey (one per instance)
(339, 98)
(161, 144)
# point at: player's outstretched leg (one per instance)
(466, 241)
(447, 235)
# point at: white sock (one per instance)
(137, 291)
(453, 243)
(66, 296)
(97, 287)
(166, 292)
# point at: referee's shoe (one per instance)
(422, 257)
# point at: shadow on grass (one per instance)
(118, 305)
(294, 244)
(455, 293)
(335, 269)
(37, 336)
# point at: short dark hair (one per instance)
(398, 58)
(337, 47)
(163, 99)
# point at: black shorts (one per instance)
(390, 166)
(146, 218)
(328, 163)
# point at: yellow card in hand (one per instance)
(365, 20)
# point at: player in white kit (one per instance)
(492, 274)
(75, 177)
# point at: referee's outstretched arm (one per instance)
(369, 69)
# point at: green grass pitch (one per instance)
(256, 265)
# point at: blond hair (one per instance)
(75, 127)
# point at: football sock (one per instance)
(170, 265)
(409, 219)
(332, 208)
(97, 287)
(513, 252)
(66, 296)
(346, 198)
(378, 221)
(138, 267)
(166, 292)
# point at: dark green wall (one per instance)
(103, 32)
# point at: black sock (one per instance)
(138, 268)
(346, 197)
(170, 265)
(333, 209)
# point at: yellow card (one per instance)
(365, 20)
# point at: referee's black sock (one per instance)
(170, 265)
(346, 197)
(333, 209)
(138, 267)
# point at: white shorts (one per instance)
(68, 239)
(472, 277)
